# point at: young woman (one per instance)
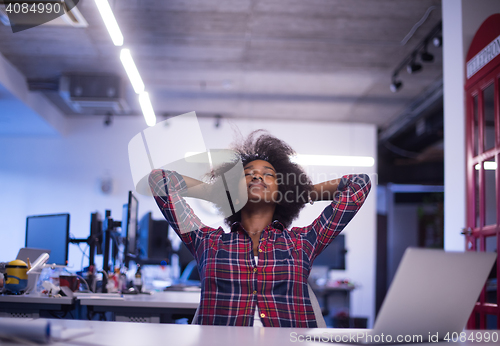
(260, 269)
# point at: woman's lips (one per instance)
(251, 185)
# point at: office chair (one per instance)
(320, 320)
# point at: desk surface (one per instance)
(169, 299)
(133, 334)
(172, 299)
(30, 299)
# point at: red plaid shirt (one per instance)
(232, 285)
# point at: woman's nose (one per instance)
(254, 176)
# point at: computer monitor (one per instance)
(129, 226)
(333, 256)
(49, 232)
(96, 231)
(153, 244)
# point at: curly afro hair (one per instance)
(291, 178)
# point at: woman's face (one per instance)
(261, 181)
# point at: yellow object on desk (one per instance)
(16, 277)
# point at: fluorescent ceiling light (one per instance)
(147, 109)
(132, 72)
(333, 160)
(324, 160)
(110, 21)
(488, 165)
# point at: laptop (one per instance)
(431, 296)
(31, 253)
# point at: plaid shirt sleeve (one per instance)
(167, 188)
(350, 196)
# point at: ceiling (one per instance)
(320, 60)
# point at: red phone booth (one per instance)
(483, 154)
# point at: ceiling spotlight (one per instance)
(396, 85)
(437, 41)
(425, 56)
(413, 67)
(420, 56)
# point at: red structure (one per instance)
(483, 155)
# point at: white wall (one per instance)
(58, 174)
(461, 20)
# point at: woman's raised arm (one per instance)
(328, 190)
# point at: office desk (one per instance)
(33, 307)
(160, 307)
(138, 334)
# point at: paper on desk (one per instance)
(60, 333)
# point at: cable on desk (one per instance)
(86, 283)
(102, 271)
(83, 251)
(84, 255)
(80, 277)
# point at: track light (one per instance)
(437, 41)
(421, 52)
(396, 85)
(425, 56)
(413, 67)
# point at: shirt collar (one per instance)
(278, 225)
